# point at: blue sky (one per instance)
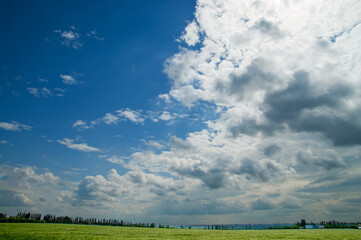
(121, 66)
(181, 111)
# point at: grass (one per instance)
(64, 231)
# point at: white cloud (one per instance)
(68, 79)
(78, 146)
(79, 123)
(191, 34)
(110, 119)
(282, 84)
(14, 126)
(45, 92)
(70, 38)
(34, 92)
(166, 116)
(116, 160)
(164, 97)
(285, 90)
(155, 144)
(131, 115)
(94, 34)
(43, 80)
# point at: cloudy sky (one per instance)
(181, 111)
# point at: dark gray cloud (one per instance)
(260, 170)
(273, 195)
(179, 144)
(352, 200)
(255, 77)
(213, 178)
(344, 185)
(290, 204)
(271, 150)
(13, 199)
(251, 127)
(262, 204)
(340, 131)
(294, 106)
(328, 161)
(268, 27)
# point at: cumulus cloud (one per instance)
(285, 90)
(25, 186)
(83, 147)
(13, 199)
(286, 95)
(14, 126)
(28, 175)
(191, 34)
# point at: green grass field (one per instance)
(63, 231)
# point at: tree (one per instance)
(303, 223)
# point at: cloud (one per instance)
(262, 204)
(131, 115)
(79, 123)
(83, 147)
(94, 34)
(285, 97)
(328, 160)
(70, 38)
(34, 92)
(155, 144)
(191, 34)
(113, 188)
(14, 126)
(42, 199)
(110, 119)
(280, 136)
(116, 160)
(45, 92)
(166, 116)
(69, 80)
(13, 199)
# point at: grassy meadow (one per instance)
(67, 231)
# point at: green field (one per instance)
(64, 231)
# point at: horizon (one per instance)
(181, 111)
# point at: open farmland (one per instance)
(65, 231)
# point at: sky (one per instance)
(181, 112)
